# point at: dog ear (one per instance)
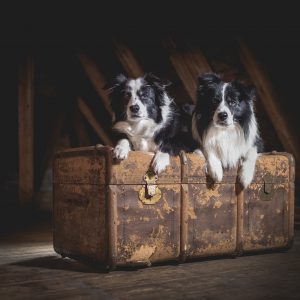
(117, 81)
(247, 92)
(188, 108)
(152, 79)
(207, 83)
(207, 79)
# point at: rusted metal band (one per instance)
(240, 220)
(184, 167)
(291, 160)
(291, 198)
(291, 213)
(111, 228)
(183, 222)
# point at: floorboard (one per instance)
(30, 269)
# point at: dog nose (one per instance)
(134, 108)
(223, 115)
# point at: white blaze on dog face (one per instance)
(226, 122)
(223, 116)
(136, 110)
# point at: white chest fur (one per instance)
(228, 144)
(141, 144)
(140, 134)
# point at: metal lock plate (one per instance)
(267, 189)
(150, 193)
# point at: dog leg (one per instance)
(122, 149)
(198, 152)
(214, 167)
(248, 167)
(160, 162)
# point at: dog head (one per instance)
(224, 103)
(138, 99)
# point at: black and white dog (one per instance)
(148, 120)
(225, 126)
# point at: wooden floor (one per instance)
(30, 269)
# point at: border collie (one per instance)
(147, 119)
(224, 125)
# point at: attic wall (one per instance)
(61, 82)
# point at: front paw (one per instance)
(198, 152)
(246, 176)
(121, 152)
(215, 171)
(160, 162)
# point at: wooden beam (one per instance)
(127, 59)
(81, 132)
(88, 114)
(189, 64)
(58, 141)
(270, 101)
(52, 145)
(26, 118)
(43, 194)
(97, 79)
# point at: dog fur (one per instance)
(225, 126)
(147, 119)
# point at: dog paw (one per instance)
(216, 175)
(247, 170)
(198, 152)
(245, 177)
(215, 171)
(160, 162)
(121, 152)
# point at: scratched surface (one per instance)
(79, 220)
(211, 219)
(196, 171)
(87, 168)
(272, 168)
(147, 233)
(266, 205)
(133, 169)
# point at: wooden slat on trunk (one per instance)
(25, 95)
(269, 99)
(127, 59)
(88, 114)
(97, 79)
(189, 64)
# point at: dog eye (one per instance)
(216, 100)
(232, 103)
(127, 94)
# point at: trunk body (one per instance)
(117, 213)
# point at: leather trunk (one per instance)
(119, 213)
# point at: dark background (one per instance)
(54, 35)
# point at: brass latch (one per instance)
(267, 190)
(150, 193)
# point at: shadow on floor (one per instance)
(66, 264)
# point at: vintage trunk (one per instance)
(119, 213)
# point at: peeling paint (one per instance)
(143, 253)
(191, 213)
(217, 204)
(159, 214)
(143, 233)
